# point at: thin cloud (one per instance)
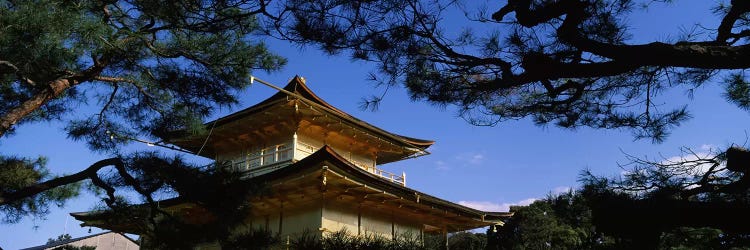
(472, 158)
(476, 159)
(561, 190)
(526, 202)
(496, 207)
(689, 159)
(441, 165)
(699, 168)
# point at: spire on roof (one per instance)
(300, 79)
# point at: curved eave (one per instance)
(101, 219)
(338, 163)
(421, 143)
(327, 160)
(297, 85)
(130, 224)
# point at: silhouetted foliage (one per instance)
(17, 173)
(252, 239)
(694, 201)
(218, 203)
(467, 240)
(572, 221)
(143, 68)
(66, 237)
(309, 240)
(556, 222)
(60, 238)
(570, 63)
(306, 241)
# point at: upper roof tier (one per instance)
(296, 109)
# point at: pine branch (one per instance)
(55, 88)
(88, 173)
(14, 69)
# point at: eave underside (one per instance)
(282, 113)
(325, 177)
(309, 189)
(284, 117)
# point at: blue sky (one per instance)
(485, 167)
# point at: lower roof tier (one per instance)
(326, 175)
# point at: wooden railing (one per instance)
(304, 150)
(272, 155)
(400, 179)
(283, 153)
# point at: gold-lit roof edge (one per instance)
(337, 163)
(328, 153)
(299, 90)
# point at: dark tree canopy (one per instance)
(66, 237)
(148, 67)
(702, 193)
(17, 173)
(60, 238)
(556, 222)
(113, 71)
(570, 63)
(571, 221)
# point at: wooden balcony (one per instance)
(304, 150)
(277, 156)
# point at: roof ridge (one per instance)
(63, 242)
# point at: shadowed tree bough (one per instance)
(570, 63)
(700, 190)
(148, 67)
(569, 221)
(117, 70)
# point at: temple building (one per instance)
(99, 241)
(323, 166)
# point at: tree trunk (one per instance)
(55, 89)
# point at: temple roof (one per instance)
(328, 173)
(283, 105)
(327, 160)
(59, 244)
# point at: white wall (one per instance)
(367, 220)
(107, 241)
(361, 160)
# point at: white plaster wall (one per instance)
(374, 223)
(337, 218)
(360, 159)
(298, 221)
(309, 141)
(108, 241)
(293, 222)
(408, 229)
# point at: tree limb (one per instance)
(17, 72)
(88, 173)
(54, 89)
(739, 7)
